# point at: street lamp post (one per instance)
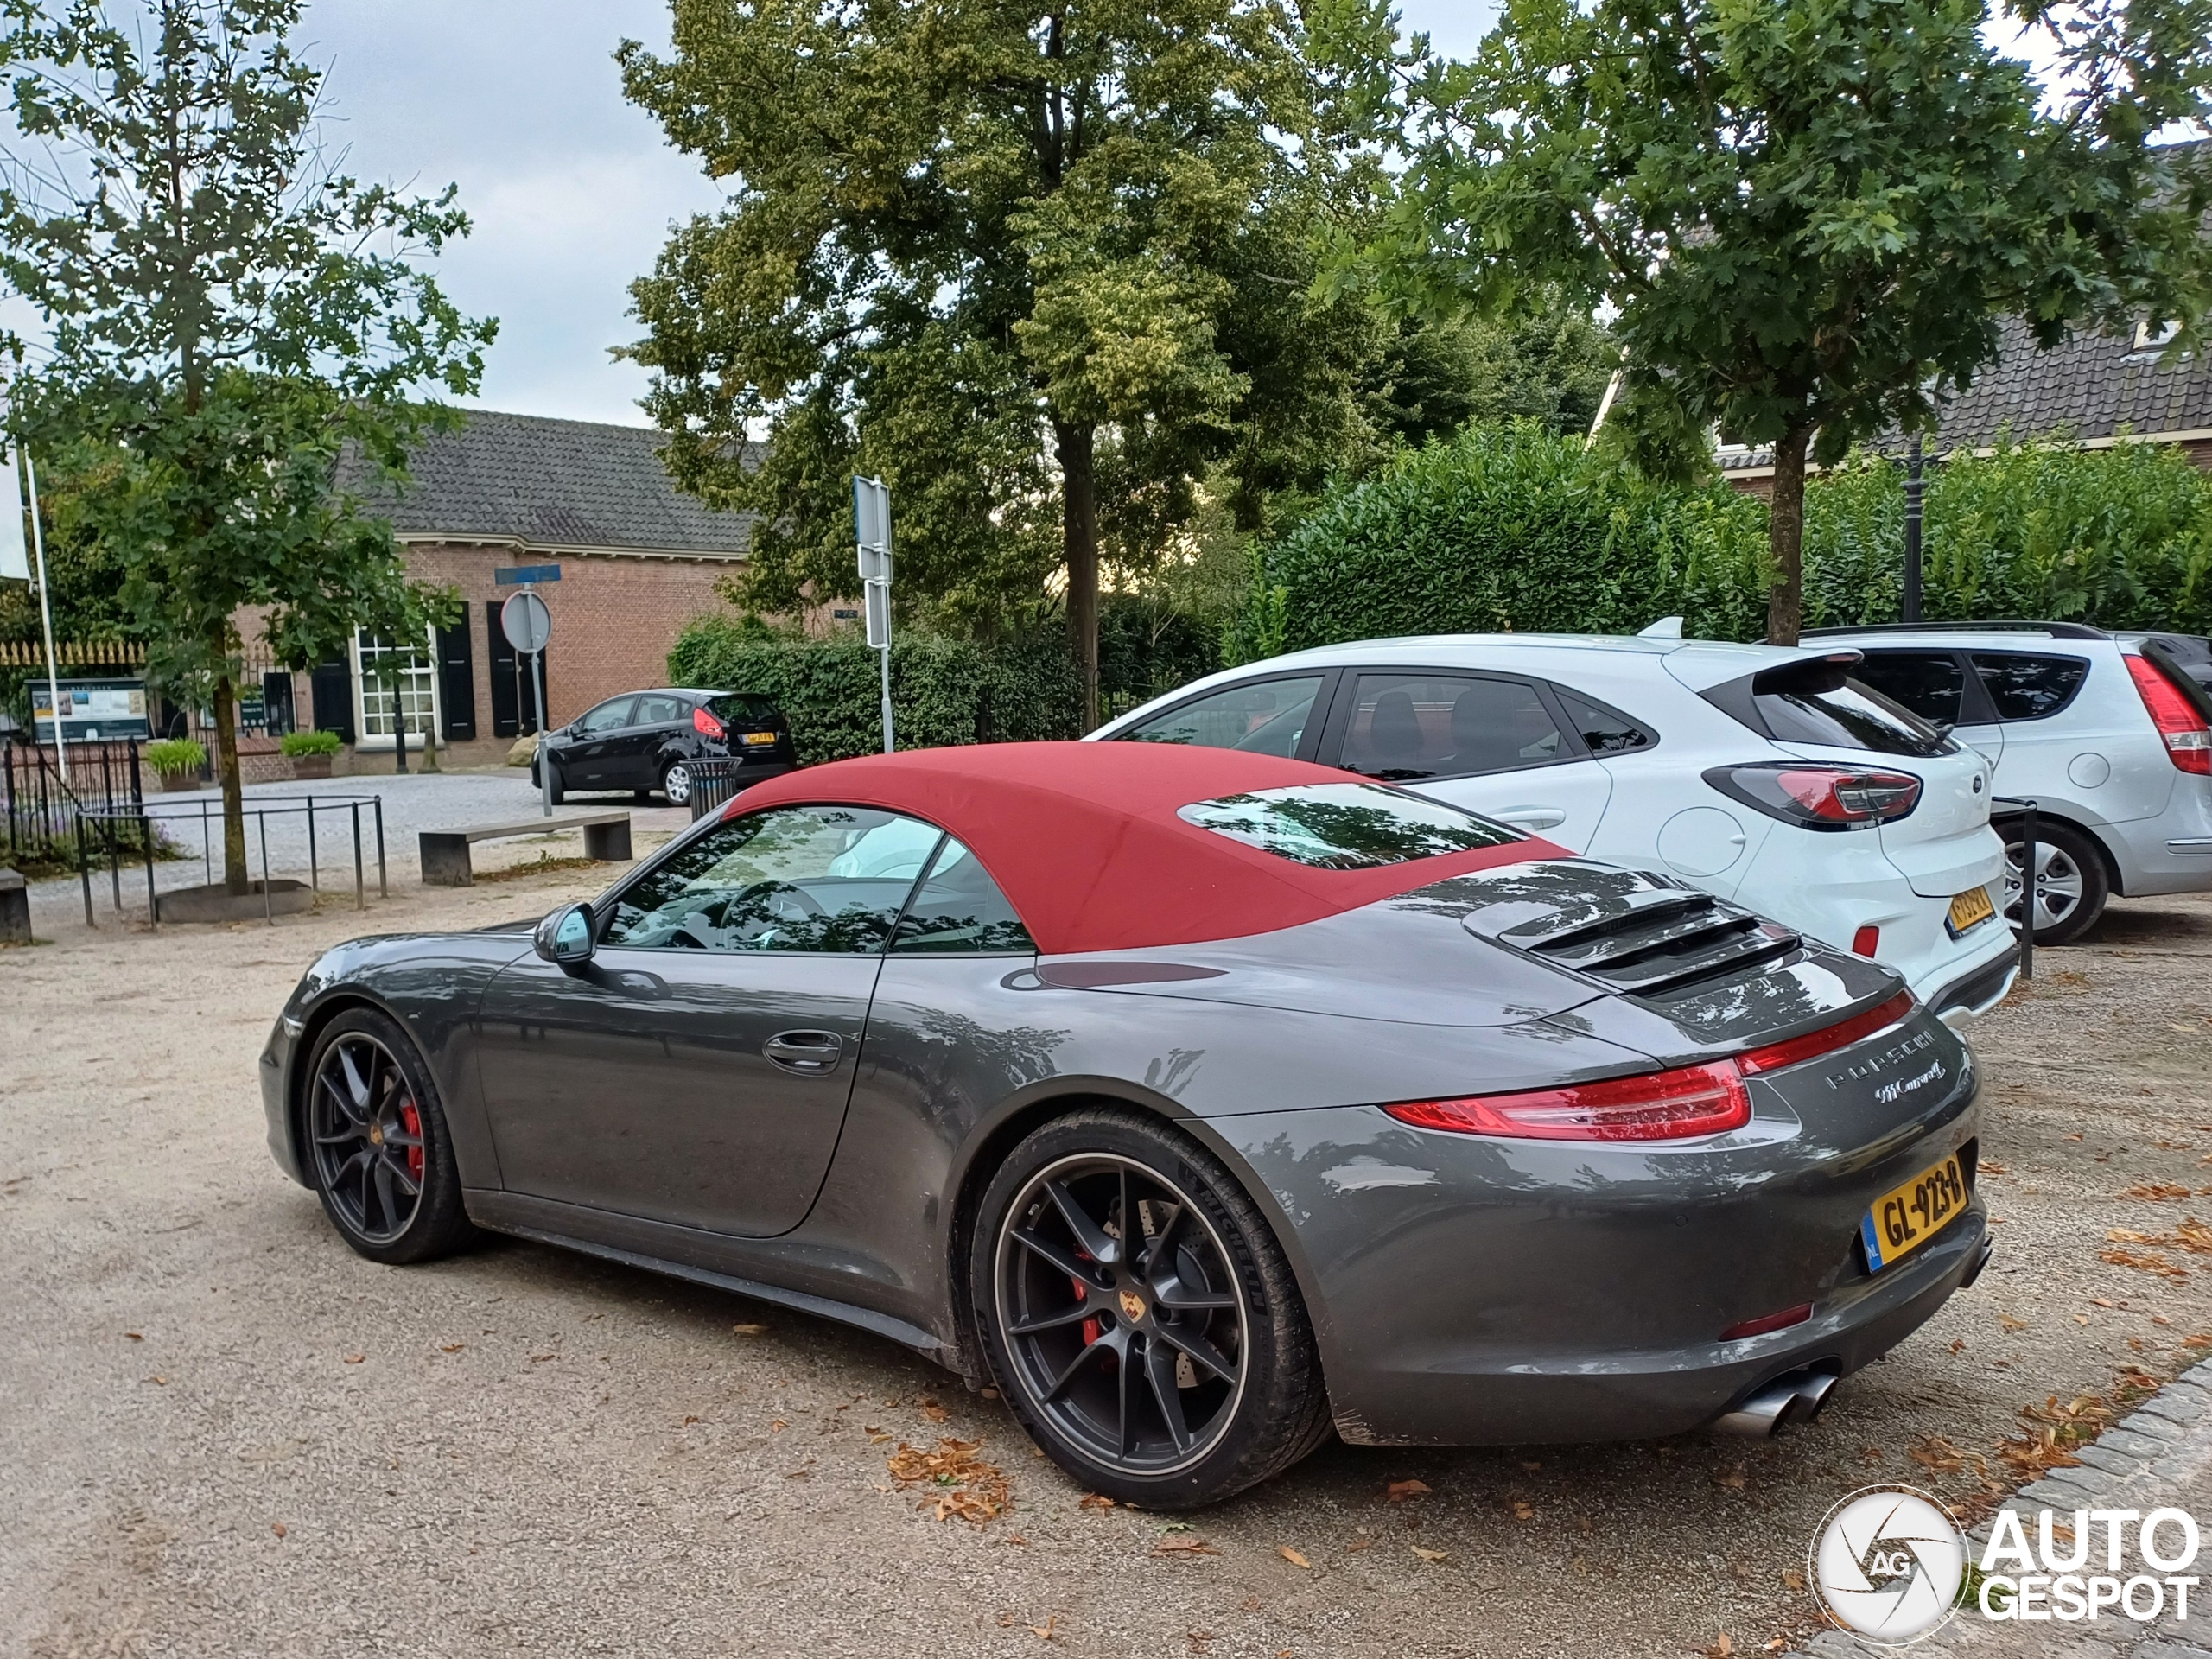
(1909, 607)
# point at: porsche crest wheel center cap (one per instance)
(376, 1135)
(1132, 1306)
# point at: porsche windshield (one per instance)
(1345, 826)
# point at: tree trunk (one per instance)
(1079, 522)
(235, 876)
(1785, 600)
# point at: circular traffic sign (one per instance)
(526, 622)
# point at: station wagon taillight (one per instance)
(2188, 744)
(706, 724)
(1816, 797)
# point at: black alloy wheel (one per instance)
(377, 1143)
(1139, 1316)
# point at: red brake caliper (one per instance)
(413, 1120)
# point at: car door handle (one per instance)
(807, 1052)
(1531, 817)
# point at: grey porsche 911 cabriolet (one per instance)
(1203, 1100)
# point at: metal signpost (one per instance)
(872, 531)
(528, 625)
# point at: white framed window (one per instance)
(378, 662)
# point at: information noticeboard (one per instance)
(92, 710)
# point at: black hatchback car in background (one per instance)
(648, 741)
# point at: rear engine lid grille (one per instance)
(1632, 932)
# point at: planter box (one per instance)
(174, 783)
(311, 765)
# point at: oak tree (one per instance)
(1043, 269)
(1806, 217)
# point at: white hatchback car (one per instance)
(2110, 735)
(1761, 774)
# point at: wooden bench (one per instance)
(445, 852)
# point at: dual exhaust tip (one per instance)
(1797, 1397)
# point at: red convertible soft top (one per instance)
(1084, 840)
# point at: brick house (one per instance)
(639, 559)
(2097, 390)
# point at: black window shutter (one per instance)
(457, 682)
(505, 706)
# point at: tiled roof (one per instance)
(565, 485)
(2091, 386)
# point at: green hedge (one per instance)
(2119, 537)
(945, 692)
(1512, 528)
(942, 691)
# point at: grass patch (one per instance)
(543, 864)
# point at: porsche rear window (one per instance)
(1345, 826)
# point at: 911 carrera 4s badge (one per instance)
(1907, 1217)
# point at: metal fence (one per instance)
(104, 778)
(129, 835)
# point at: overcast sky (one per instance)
(571, 188)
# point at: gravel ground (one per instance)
(222, 1433)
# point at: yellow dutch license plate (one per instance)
(1907, 1217)
(1971, 909)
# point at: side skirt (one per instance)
(498, 1212)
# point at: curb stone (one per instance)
(2147, 1460)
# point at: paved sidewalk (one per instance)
(2158, 1456)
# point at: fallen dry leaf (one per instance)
(1184, 1546)
(134, 1336)
(933, 1411)
(1293, 1557)
(778, 1426)
(1049, 1631)
(2011, 1323)
(1429, 1555)
(1096, 1501)
(2157, 1192)
(962, 1484)
(355, 1359)
(1793, 1578)
(159, 1382)
(1399, 1491)
(276, 1527)
(1358, 1544)
(2144, 1261)
(1522, 1511)
(1733, 1480)
(749, 1330)
(1990, 1167)
(1958, 1344)
(453, 1347)
(1721, 1648)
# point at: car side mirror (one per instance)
(565, 938)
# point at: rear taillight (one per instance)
(1670, 1105)
(1828, 1039)
(1658, 1106)
(1820, 796)
(2188, 744)
(706, 724)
